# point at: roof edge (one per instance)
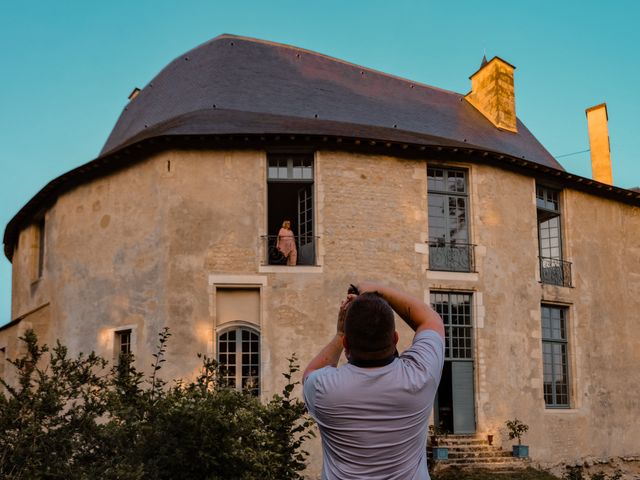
(115, 160)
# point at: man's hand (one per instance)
(365, 287)
(417, 314)
(342, 313)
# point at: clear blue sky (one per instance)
(67, 67)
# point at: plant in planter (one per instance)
(516, 430)
(438, 452)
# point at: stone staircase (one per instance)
(470, 451)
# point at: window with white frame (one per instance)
(555, 356)
(448, 198)
(290, 179)
(239, 357)
(554, 270)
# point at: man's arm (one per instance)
(417, 314)
(330, 354)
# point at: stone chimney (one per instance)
(597, 120)
(492, 93)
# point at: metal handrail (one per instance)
(554, 271)
(451, 256)
(305, 246)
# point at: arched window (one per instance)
(239, 355)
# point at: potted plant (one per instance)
(438, 452)
(516, 430)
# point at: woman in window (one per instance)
(286, 243)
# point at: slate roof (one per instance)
(215, 87)
(234, 89)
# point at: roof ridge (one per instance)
(329, 57)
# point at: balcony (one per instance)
(305, 245)
(554, 271)
(451, 257)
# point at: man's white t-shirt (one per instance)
(373, 421)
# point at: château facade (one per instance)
(534, 269)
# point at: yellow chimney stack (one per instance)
(597, 120)
(492, 93)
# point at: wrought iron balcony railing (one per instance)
(305, 249)
(451, 257)
(554, 271)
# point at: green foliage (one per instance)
(516, 429)
(576, 473)
(479, 474)
(75, 418)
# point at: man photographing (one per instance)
(373, 412)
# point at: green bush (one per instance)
(74, 418)
(576, 473)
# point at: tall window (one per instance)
(449, 247)
(553, 269)
(290, 198)
(454, 408)
(455, 310)
(239, 355)
(555, 356)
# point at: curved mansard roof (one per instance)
(235, 89)
(212, 88)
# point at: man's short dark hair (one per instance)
(370, 327)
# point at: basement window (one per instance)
(290, 179)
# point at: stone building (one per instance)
(534, 269)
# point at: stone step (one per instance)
(475, 453)
(506, 468)
(499, 455)
(470, 448)
(461, 441)
(510, 460)
(469, 451)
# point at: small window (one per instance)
(239, 356)
(555, 357)
(38, 250)
(122, 343)
(290, 239)
(3, 359)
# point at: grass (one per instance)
(455, 474)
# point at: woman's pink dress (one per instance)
(287, 246)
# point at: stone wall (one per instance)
(150, 246)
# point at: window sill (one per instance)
(290, 269)
(554, 285)
(454, 276)
(560, 410)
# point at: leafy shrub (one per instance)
(516, 429)
(74, 418)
